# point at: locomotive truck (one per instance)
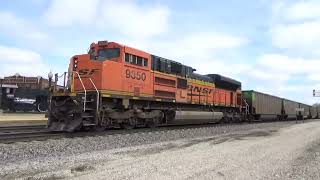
(114, 85)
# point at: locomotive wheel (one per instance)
(153, 123)
(128, 124)
(104, 121)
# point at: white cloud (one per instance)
(127, 17)
(302, 92)
(303, 10)
(304, 36)
(205, 44)
(71, 12)
(20, 28)
(16, 55)
(314, 76)
(133, 19)
(25, 62)
(290, 66)
(295, 31)
(296, 26)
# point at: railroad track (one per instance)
(40, 133)
(28, 136)
(10, 134)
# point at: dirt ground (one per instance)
(291, 152)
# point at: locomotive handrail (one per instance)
(98, 95)
(85, 91)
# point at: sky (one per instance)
(272, 46)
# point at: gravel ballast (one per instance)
(247, 151)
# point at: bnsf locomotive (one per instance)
(116, 85)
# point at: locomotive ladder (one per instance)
(98, 99)
(85, 93)
(246, 107)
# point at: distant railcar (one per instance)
(306, 111)
(314, 112)
(265, 107)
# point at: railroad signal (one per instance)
(316, 93)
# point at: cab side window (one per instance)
(136, 60)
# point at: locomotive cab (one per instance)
(101, 56)
(113, 68)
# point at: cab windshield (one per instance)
(107, 54)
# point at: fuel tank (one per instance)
(196, 117)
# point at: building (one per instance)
(26, 82)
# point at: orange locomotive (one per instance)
(116, 85)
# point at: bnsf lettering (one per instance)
(83, 72)
(131, 74)
(200, 89)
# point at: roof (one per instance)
(225, 82)
(224, 79)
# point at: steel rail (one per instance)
(45, 135)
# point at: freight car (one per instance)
(289, 109)
(268, 107)
(116, 85)
(263, 106)
(314, 112)
(306, 111)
